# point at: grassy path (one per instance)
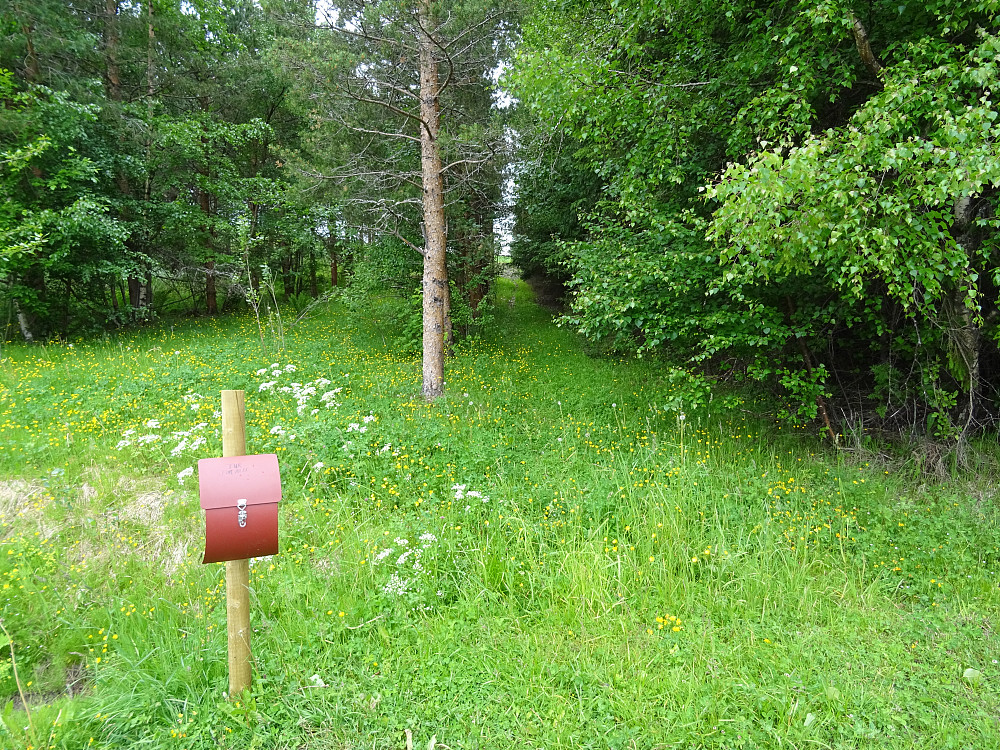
(563, 552)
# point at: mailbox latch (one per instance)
(241, 504)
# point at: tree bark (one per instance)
(435, 273)
(964, 334)
(868, 56)
(24, 322)
(287, 280)
(32, 70)
(211, 298)
(111, 50)
(211, 293)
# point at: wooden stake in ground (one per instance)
(237, 571)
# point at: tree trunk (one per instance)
(287, 282)
(134, 286)
(964, 334)
(211, 295)
(24, 322)
(435, 273)
(114, 82)
(211, 299)
(32, 70)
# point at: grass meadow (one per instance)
(564, 552)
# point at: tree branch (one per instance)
(864, 46)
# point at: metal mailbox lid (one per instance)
(226, 540)
(222, 482)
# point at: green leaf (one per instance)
(972, 676)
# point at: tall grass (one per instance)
(562, 552)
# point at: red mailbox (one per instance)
(240, 496)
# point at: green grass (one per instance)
(591, 558)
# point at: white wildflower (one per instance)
(184, 474)
(153, 423)
(395, 586)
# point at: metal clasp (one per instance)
(242, 515)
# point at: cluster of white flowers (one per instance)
(128, 440)
(330, 397)
(276, 369)
(395, 586)
(461, 492)
(407, 578)
(192, 400)
(125, 442)
(301, 392)
(188, 440)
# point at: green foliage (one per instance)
(875, 203)
(851, 180)
(55, 225)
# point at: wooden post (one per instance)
(237, 571)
